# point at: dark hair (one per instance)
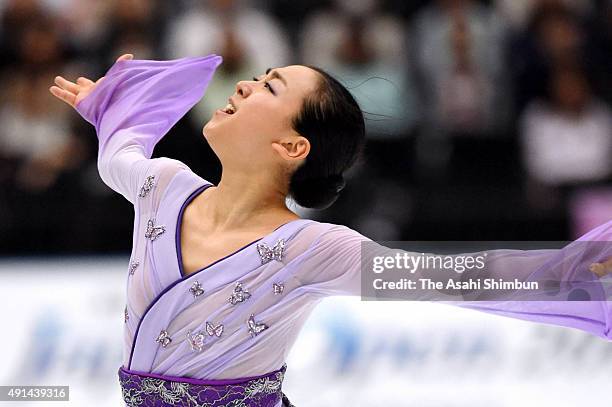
(332, 121)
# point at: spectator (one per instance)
(84, 25)
(518, 12)
(554, 36)
(459, 57)
(201, 31)
(35, 131)
(567, 139)
(131, 27)
(363, 47)
(17, 16)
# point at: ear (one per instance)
(293, 148)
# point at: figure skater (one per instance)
(221, 278)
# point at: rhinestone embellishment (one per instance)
(153, 232)
(196, 289)
(255, 327)
(163, 338)
(133, 267)
(213, 330)
(196, 340)
(147, 186)
(239, 295)
(125, 315)
(275, 253)
(278, 288)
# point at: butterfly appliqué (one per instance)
(214, 330)
(196, 289)
(255, 327)
(133, 267)
(239, 295)
(163, 338)
(275, 253)
(278, 288)
(147, 186)
(196, 340)
(153, 232)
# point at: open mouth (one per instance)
(229, 109)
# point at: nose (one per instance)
(243, 88)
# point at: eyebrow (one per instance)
(277, 75)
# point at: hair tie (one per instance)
(337, 181)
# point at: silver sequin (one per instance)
(133, 267)
(275, 253)
(278, 288)
(214, 330)
(125, 315)
(153, 231)
(239, 295)
(147, 186)
(196, 340)
(163, 338)
(196, 289)
(255, 327)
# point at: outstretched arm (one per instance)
(132, 107)
(336, 262)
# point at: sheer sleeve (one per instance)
(337, 261)
(133, 107)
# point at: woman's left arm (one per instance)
(337, 262)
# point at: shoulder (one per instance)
(334, 236)
(166, 167)
(167, 178)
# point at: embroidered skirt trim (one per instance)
(141, 389)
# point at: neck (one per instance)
(241, 200)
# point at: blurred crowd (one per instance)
(486, 120)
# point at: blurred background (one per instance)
(486, 120)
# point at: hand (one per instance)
(72, 93)
(601, 269)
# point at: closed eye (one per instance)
(266, 84)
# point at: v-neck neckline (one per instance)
(178, 240)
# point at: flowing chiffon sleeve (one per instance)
(133, 107)
(335, 264)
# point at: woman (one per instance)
(222, 277)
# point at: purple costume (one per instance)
(220, 336)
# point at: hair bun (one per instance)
(317, 193)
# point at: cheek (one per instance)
(264, 120)
(265, 112)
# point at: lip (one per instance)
(219, 111)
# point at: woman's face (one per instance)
(259, 132)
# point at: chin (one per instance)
(208, 129)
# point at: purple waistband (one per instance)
(141, 389)
(208, 382)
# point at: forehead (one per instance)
(300, 79)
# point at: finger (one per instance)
(84, 81)
(125, 57)
(64, 95)
(67, 85)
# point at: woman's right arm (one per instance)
(132, 107)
